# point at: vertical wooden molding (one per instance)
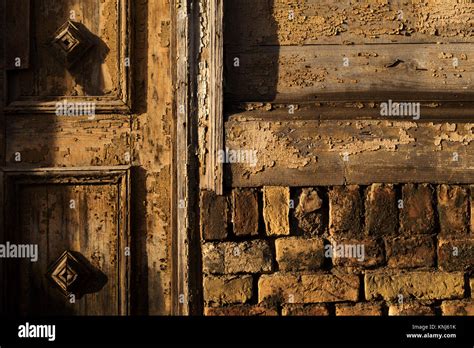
(125, 240)
(180, 286)
(187, 281)
(216, 94)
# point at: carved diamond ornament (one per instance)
(68, 273)
(70, 43)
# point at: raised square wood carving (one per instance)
(80, 54)
(70, 43)
(68, 273)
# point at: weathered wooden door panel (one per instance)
(50, 141)
(37, 136)
(79, 50)
(86, 215)
(67, 53)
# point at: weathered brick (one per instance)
(309, 201)
(330, 287)
(417, 215)
(314, 288)
(407, 252)
(276, 210)
(248, 257)
(345, 211)
(453, 211)
(458, 308)
(240, 310)
(230, 257)
(213, 258)
(309, 212)
(279, 287)
(227, 290)
(299, 254)
(410, 309)
(245, 212)
(214, 216)
(456, 255)
(363, 253)
(381, 210)
(359, 309)
(308, 310)
(418, 284)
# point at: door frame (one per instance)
(190, 176)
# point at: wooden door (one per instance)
(67, 155)
(78, 223)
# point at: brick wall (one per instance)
(347, 250)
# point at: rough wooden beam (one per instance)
(216, 98)
(318, 73)
(343, 22)
(355, 110)
(312, 153)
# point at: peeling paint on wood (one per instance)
(299, 153)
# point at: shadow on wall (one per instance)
(251, 56)
(251, 51)
(89, 74)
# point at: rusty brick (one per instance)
(417, 215)
(456, 255)
(458, 308)
(308, 310)
(214, 216)
(381, 211)
(309, 288)
(240, 310)
(410, 309)
(422, 285)
(299, 254)
(230, 257)
(309, 212)
(410, 252)
(359, 309)
(371, 249)
(453, 211)
(276, 210)
(345, 211)
(245, 212)
(227, 290)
